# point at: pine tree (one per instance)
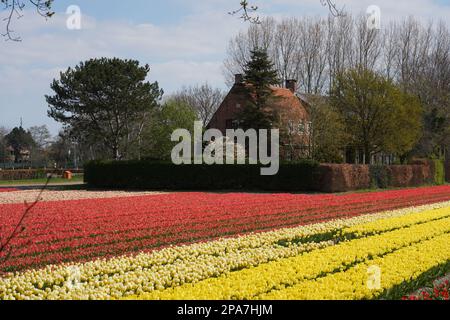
(107, 100)
(260, 74)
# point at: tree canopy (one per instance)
(378, 116)
(173, 114)
(107, 100)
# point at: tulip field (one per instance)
(224, 246)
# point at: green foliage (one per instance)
(107, 100)
(156, 142)
(154, 175)
(378, 115)
(439, 172)
(260, 74)
(329, 136)
(405, 125)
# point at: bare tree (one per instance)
(204, 99)
(367, 45)
(339, 46)
(247, 11)
(14, 9)
(41, 135)
(311, 62)
(286, 48)
(414, 41)
(389, 52)
(257, 36)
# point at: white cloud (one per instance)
(391, 10)
(187, 52)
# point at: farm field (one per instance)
(114, 245)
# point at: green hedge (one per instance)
(151, 175)
(10, 175)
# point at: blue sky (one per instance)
(184, 41)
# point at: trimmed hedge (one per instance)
(30, 174)
(10, 175)
(153, 175)
(342, 178)
(403, 176)
(299, 176)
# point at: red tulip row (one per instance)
(439, 292)
(85, 229)
(8, 189)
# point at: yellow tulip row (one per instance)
(255, 282)
(176, 266)
(359, 283)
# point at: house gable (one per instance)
(287, 105)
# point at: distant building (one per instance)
(24, 155)
(295, 128)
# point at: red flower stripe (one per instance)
(80, 230)
(8, 189)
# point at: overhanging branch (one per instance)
(247, 11)
(14, 9)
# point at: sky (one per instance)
(183, 41)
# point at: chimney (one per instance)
(238, 78)
(291, 85)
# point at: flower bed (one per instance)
(335, 272)
(82, 230)
(440, 291)
(327, 246)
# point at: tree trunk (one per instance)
(367, 155)
(116, 155)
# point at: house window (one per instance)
(236, 124)
(302, 127)
(232, 124)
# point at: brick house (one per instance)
(295, 128)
